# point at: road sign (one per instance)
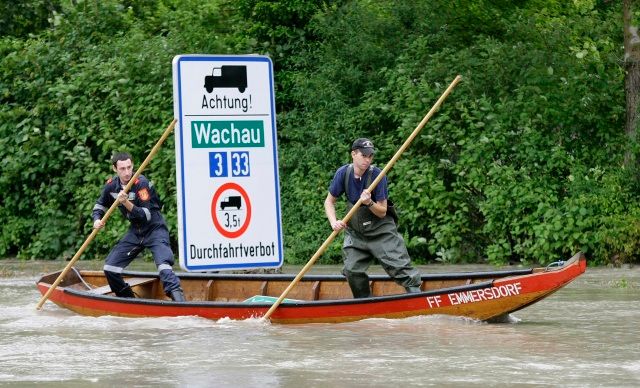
(231, 223)
(226, 163)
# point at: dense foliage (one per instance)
(523, 163)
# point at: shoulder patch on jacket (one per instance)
(143, 194)
(109, 180)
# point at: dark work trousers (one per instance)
(129, 246)
(377, 239)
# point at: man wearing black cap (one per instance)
(371, 232)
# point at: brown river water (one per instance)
(585, 335)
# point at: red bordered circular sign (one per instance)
(231, 208)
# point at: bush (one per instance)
(521, 163)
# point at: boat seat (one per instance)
(131, 281)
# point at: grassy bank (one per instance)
(11, 268)
(20, 268)
(24, 268)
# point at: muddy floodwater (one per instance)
(585, 335)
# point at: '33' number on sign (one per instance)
(240, 164)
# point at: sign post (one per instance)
(226, 163)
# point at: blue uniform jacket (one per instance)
(145, 215)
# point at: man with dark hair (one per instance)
(141, 206)
(371, 233)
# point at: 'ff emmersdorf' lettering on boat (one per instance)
(229, 251)
(223, 134)
(479, 295)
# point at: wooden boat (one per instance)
(485, 296)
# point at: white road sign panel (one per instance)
(226, 163)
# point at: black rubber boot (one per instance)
(126, 292)
(118, 285)
(177, 295)
(413, 289)
(359, 283)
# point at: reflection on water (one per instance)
(585, 335)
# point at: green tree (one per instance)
(22, 18)
(523, 163)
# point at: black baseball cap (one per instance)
(364, 145)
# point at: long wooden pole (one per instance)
(355, 207)
(94, 232)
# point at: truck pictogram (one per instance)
(231, 201)
(228, 76)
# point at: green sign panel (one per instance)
(226, 134)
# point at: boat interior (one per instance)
(216, 287)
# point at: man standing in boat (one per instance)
(371, 232)
(141, 206)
